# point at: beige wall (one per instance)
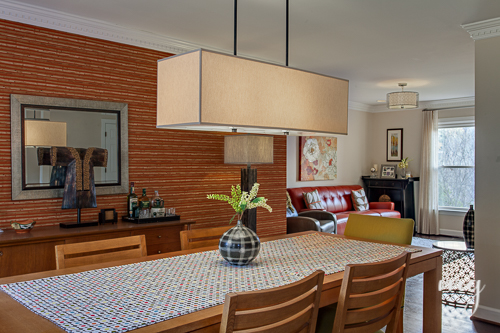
(411, 123)
(352, 155)
(487, 229)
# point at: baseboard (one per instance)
(451, 232)
(487, 314)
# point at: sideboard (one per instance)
(401, 192)
(23, 253)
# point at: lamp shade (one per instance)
(44, 133)
(402, 100)
(248, 149)
(205, 90)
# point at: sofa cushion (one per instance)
(387, 213)
(359, 200)
(312, 200)
(290, 210)
(291, 213)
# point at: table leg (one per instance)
(432, 298)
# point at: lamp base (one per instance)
(248, 178)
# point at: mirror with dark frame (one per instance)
(39, 123)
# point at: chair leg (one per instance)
(400, 321)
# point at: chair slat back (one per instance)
(197, 238)
(360, 286)
(289, 309)
(370, 296)
(87, 253)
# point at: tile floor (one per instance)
(455, 320)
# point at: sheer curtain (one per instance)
(428, 222)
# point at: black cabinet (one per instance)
(401, 192)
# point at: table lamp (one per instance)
(248, 149)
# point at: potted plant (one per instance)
(240, 245)
(403, 165)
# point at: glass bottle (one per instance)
(144, 205)
(131, 202)
(157, 206)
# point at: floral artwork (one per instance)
(318, 158)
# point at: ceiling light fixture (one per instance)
(210, 91)
(402, 99)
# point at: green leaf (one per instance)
(232, 218)
(257, 199)
(243, 206)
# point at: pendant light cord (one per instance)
(236, 28)
(236, 25)
(287, 14)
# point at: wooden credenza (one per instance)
(23, 253)
(401, 192)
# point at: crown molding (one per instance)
(483, 29)
(358, 106)
(51, 19)
(57, 20)
(436, 104)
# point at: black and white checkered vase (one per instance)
(239, 245)
(469, 228)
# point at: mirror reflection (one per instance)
(65, 127)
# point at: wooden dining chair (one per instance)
(370, 296)
(194, 239)
(385, 229)
(291, 308)
(87, 253)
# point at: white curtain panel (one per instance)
(428, 222)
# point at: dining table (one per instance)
(16, 317)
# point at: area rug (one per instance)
(423, 242)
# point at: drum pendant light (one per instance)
(402, 99)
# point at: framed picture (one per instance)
(388, 171)
(318, 158)
(394, 145)
(108, 215)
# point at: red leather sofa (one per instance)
(337, 200)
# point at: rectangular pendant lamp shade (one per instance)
(248, 149)
(210, 91)
(43, 133)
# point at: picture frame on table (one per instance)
(394, 145)
(388, 171)
(108, 216)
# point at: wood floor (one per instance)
(455, 320)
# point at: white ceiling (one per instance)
(373, 44)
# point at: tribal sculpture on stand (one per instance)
(79, 185)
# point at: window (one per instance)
(456, 162)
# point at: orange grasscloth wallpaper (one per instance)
(183, 166)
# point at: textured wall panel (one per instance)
(183, 166)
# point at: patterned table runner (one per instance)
(123, 298)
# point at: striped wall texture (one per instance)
(183, 166)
